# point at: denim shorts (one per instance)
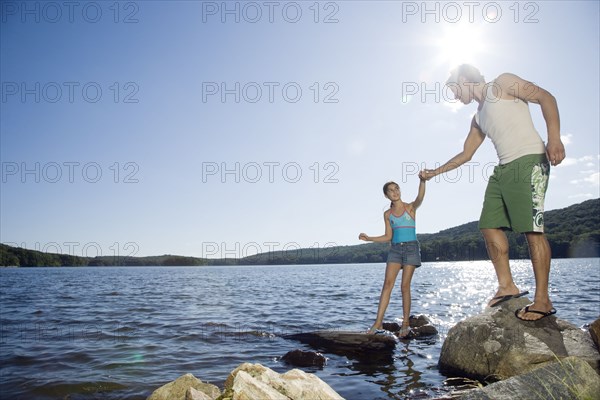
(405, 253)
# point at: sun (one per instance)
(458, 44)
(451, 45)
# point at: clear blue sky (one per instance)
(218, 129)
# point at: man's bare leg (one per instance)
(539, 251)
(497, 247)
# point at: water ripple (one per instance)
(78, 332)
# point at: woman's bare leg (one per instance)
(391, 272)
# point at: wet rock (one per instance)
(301, 358)
(595, 333)
(373, 349)
(347, 340)
(496, 345)
(254, 381)
(178, 389)
(570, 378)
(391, 326)
(424, 331)
(417, 321)
(420, 327)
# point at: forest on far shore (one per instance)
(573, 231)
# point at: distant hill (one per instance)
(573, 231)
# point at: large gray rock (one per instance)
(570, 378)
(254, 381)
(178, 389)
(495, 345)
(193, 394)
(595, 333)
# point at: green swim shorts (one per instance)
(514, 198)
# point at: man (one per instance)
(514, 198)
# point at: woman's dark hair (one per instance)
(385, 188)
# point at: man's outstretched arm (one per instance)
(472, 143)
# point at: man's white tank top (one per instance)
(509, 125)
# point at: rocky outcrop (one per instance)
(249, 382)
(495, 345)
(300, 358)
(179, 388)
(254, 381)
(595, 333)
(570, 378)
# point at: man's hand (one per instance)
(555, 150)
(426, 174)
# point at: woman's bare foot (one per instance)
(404, 331)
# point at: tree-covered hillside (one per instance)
(572, 232)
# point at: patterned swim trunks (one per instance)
(514, 198)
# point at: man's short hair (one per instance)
(467, 71)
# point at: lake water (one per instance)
(121, 332)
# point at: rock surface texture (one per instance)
(495, 345)
(254, 381)
(595, 333)
(179, 388)
(570, 378)
(250, 382)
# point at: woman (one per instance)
(404, 254)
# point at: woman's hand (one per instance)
(363, 236)
(426, 174)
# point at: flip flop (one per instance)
(526, 309)
(502, 299)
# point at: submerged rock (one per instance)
(496, 345)
(570, 378)
(254, 381)
(300, 358)
(178, 389)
